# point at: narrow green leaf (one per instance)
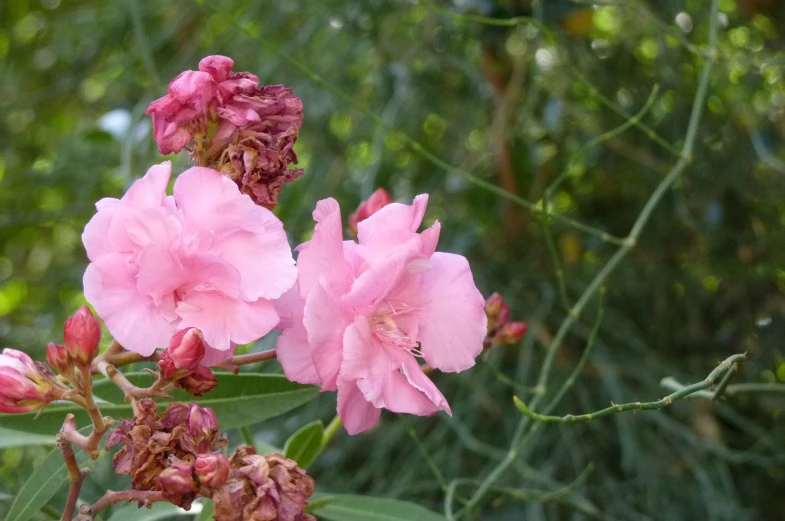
(207, 512)
(304, 445)
(12, 438)
(238, 400)
(346, 507)
(43, 484)
(158, 511)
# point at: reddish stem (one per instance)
(144, 497)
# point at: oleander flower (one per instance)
(378, 200)
(363, 314)
(206, 257)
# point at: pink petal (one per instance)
(450, 313)
(355, 411)
(217, 66)
(325, 321)
(290, 308)
(394, 225)
(213, 356)
(96, 234)
(322, 256)
(150, 190)
(420, 381)
(195, 88)
(223, 319)
(381, 278)
(132, 318)
(292, 348)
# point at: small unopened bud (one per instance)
(82, 333)
(497, 310)
(511, 333)
(182, 357)
(177, 482)
(202, 434)
(202, 380)
(212, 469)
(378, 200)
(23, 387)
(58, 359)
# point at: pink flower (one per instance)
(378, 200)
(206, 257)
(362, 314)
(22, 386)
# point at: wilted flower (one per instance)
(362, 314)
(82, 333)
(178, 484)
(263, 488)
(256, 126)
(182, 357)
(199, 382)
(150, 443)
(378, 200)
(205, 258)
(23, 387)
(211, 469)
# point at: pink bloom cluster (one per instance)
(206, 257)
(244, 129)
(362, 314)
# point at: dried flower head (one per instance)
(263, 488)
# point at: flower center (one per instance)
(387, 331)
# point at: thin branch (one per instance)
(724, 368)
(731, 390)
(724, 382)
(144, 497)
(75, 476)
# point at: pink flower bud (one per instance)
(497, 310)
(202, 380)
(202, 434)
(212, 469)
(511, 333)
(22, 386)
(58, 359)
(182, 357)
(378, 200)
(82, 333)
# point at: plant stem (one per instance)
(724, 368)
(724, 382)
(145, 497)
(75, 475)
(330, 431)
(247, 435)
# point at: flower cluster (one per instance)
(206, 257)
(500, 329)
(263, 488)
(151, 444)
(362, 314)
(243, 129)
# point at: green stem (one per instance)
(330, 431)
(724, 368)
(247, 435)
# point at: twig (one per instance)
(330, 431)
(724, 382)
(75, 476)
(732, 390)
(145, 497)
(724, 368)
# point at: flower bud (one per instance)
(58, 359)
(177, 483)
(82, 333)
(497, 310)
(22, 386)
(202, 434)
(182, 357)
(212, 469)
(511, 333)
(202, 380)
(378, 200)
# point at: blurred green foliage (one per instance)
(512, 105)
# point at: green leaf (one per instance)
(346, 507)
(158, 511)
(238, 400)
(207, 510)
(44, 483)
(305, 444)
(12, 438)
